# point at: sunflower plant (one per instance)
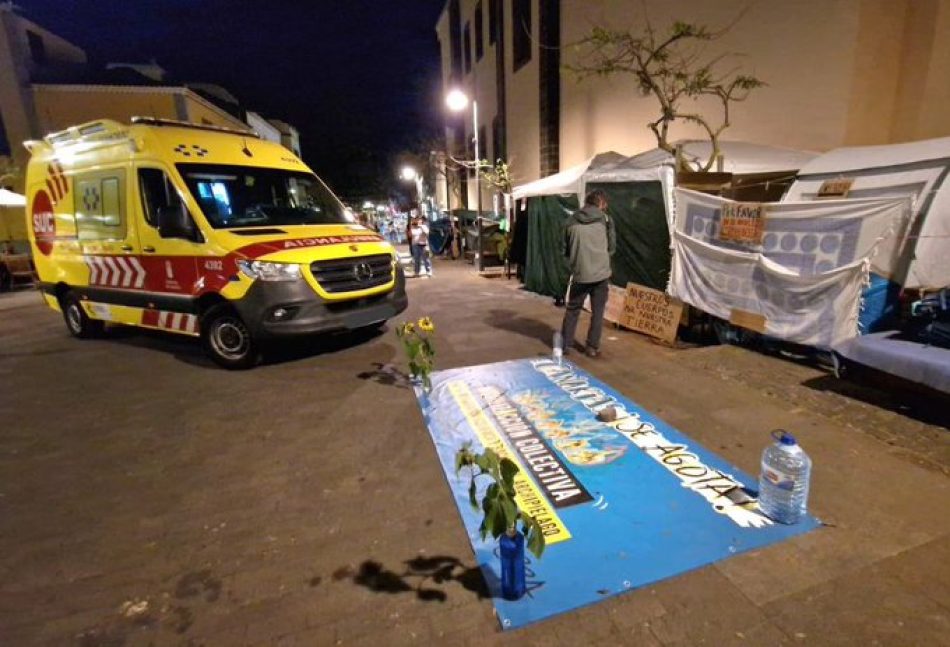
(416, 338)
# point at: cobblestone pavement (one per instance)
(148, 498)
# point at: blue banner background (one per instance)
(643, 523)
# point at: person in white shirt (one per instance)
(419, 245)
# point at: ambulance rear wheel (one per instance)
(227, 339)
(77, 321)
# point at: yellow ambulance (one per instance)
(201, 231)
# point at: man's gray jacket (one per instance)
(590, 241)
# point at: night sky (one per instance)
(358, 78)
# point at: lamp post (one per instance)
(457, 101)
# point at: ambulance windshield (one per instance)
(248, 196)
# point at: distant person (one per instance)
(590, 240)
(392, 231)
(419, 245)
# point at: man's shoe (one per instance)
(591, 352)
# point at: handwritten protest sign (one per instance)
(742, 222)
(837, 188)
(651, 312)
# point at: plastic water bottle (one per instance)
(513, 583)
(783, 483)
(558, 347)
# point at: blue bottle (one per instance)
(783, 483)
(513, 585)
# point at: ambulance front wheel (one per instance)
(77, 321)
(227, 339)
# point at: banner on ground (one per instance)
(621, 504)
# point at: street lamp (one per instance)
(457, 101)
(408, 173)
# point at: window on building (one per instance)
(98, 206)
(157, 192)
(484, 144)
(455, 37)
(467, 47)
(492, 21)
(4, 142)
(479, 33)
(521, 32)
(37, 47)
(498, 138)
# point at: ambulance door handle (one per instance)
(126, 248)
(148, 248)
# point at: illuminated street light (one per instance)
(408, 173)
(457, 101)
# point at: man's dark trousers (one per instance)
(575, 301)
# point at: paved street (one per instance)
(149, 498)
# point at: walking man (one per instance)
(590, 240)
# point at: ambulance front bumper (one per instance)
(283, 309)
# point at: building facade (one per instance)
(838, 72)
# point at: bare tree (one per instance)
(675, 69)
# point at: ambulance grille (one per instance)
(353, 274)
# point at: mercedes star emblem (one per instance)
(362, 272)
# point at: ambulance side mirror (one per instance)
(174, 222)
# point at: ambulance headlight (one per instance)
(270, 271)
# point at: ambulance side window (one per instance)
(99, 206)
(157, 192)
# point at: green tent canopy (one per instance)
(639, 204)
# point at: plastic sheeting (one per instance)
(911, 360)
(805, 277)
(918, 170)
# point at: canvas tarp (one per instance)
(546, 270)
(643, 238)
(569, 180)
(819, 310)
(806, 275)
(805, 237)
(740, 158)
(916, 169)
(640, 200)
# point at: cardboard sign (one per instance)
(742, 222)
(838, 188)
(651, 312)
(751, 320)
(615, 300)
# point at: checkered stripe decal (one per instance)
(191, 151)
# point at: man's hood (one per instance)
(589, 214)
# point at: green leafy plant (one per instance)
(416, 338)
(499, 504)
(675, 69)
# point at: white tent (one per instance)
(740, 158)
(11, 208)
(11, 199)
(915, 169)
(569, 180)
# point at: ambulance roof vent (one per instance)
(104, 129)
(173, 123)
